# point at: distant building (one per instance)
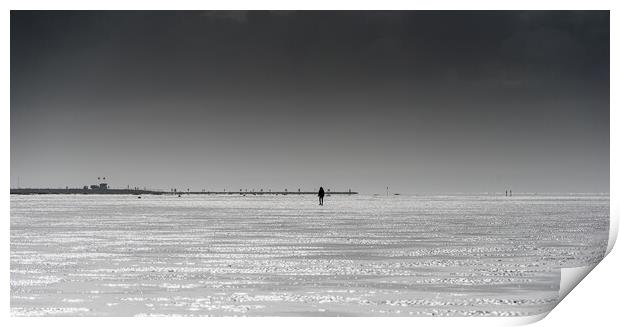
(103, 186)
(94, 187)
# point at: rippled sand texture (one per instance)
(98, 255)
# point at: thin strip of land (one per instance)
(30, 191)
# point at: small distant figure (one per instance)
(510, 192)
(321, 195)
(506, 192)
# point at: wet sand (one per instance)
(117, 255)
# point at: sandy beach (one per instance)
(117, 255)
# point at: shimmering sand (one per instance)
(98, 255)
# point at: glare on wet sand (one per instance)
(117, 255)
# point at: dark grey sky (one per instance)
(420, 101)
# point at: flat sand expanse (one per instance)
(117, 255)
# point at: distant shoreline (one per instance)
(65, 191)
(35, 191)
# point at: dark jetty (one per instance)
(27, 191)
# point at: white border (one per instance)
(595, 301)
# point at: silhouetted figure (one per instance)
(321, 195)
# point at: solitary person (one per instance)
(321, 195)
